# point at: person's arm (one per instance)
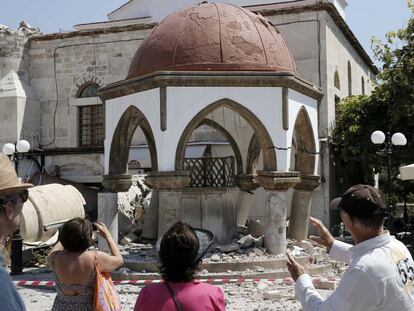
(55, 249)
(108, 263)
(337, 250)
(340, 251)
(355, 292)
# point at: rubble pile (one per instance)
(132, 207)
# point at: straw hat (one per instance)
(9, 183)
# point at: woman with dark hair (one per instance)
(181, 251)
(74, 265)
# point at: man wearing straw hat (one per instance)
(13, 193)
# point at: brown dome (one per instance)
(213, 37)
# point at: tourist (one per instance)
(74, 264)
(13, 193)
(381, 270)
(180, 254)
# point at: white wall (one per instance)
(184, 103)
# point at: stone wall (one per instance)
(19, 110)
(213, 209)
(69, 63)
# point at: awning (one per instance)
(407, 172)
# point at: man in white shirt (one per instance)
(381, 270)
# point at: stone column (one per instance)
(108, 204)
(247, 185)
(150, 229)
(276, 185)
(169, 186)
(301, 206)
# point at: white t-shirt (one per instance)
(380, 277)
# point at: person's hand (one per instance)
(325, 238)
(102, 229)
(295, 269)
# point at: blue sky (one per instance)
(366, 18)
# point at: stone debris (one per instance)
(215, 258)
(324, 284)
(132, 207)
(255, 227)
(250, 241)
(129, 238)
(272, 295)
(228, 248)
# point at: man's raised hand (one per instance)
(324, 238)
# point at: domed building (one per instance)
(228, 107)
(198, 63)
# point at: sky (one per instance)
(366, 18)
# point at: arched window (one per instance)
(337, 84)
(349, 79)
(362, 86)
(90, 90)
(91, 119)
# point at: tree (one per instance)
(389, 108)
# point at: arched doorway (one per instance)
(227, 135)
(303, 159)
(121, 140)
(269, 154)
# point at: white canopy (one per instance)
(407, 172)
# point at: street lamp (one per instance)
(397, 139)
(16, 151)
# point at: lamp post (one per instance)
(16, 152)
(389, 141)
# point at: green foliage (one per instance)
(389, 108)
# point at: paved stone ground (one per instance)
(239, 297)
(248, 296)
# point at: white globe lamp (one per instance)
(9, 149)
(378, 137)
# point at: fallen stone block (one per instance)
(129, 238)
(272, 295)
(324, 284)
(255, 227)
(228, 248)
(215, 258)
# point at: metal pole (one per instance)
(388, 148)
(16, 240)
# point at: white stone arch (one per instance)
(260, 130)
(301, 105)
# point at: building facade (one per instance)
(49, 83)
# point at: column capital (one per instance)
(308, 182)
(167, 180)
(117, 182)
(278, 181)
(247, 182)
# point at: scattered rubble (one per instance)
(132, 207)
